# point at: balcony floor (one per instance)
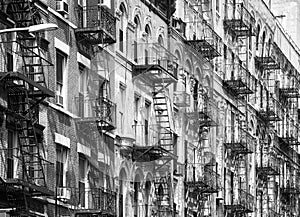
(237, 87)
(94, 35)
(239, 28)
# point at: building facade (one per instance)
(148, 108)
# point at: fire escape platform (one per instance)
(17, 76)
(238, 147)
(209, 182)
(244, 203)
(151, 153)
(267, 170)
(238, 208)
(242, 23)
(266, 63)
(289, 92)
(153, 73)
(102, 117)
(99, 26)
(239, 28)
(34, 189)
(237, 87)
(207, 119)
(289, 140)
(268, 115)
(92, 123)
(207, 48)
(95, 35)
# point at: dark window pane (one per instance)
(135, 51)
(60, 59)
(59, 174)
(9, 62)
(10, 161)
(82, 194)
(121, 40)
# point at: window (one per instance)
(61, 160)
(136, 106)
(257, 37)
(146, 122)
(82, 89)
(122, 89)
(60, 69)
(218, 5)
(122, 28)
(148, 32)
(121, 40)
(136, 36)
(10, 62)
(82, 178)
(11, 145)
(195, 93)
(121, 123)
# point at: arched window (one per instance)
(147, 195)
(148, 31)
(160, 40)
(263, 43)
(136, 195)
(136, 36)
(148, 36)
(269, 47)
(122, 28)
(122, 179)
(257, 37)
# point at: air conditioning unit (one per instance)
(64, 193)
(62, 7)
(59, 100)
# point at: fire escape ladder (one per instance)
(163, 192)
(163, 111)
(26, 89)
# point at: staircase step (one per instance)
(33, 65)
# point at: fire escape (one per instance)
(202, 179)
(240, 24)
(156, 70)
(239, 144)
(289, 95)
(206, 41)
(239, 83)
(97, 113)
(290, 191)
(270, 110)
(97, 27)
(267, 170)
(26, 88)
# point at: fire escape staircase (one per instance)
(163, 192)
(26, 89)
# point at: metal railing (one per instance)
(89, 199)
(209, 43)
(154, 55)
(97, 17)
(99, 109)
(239, 79)
(246, 200)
